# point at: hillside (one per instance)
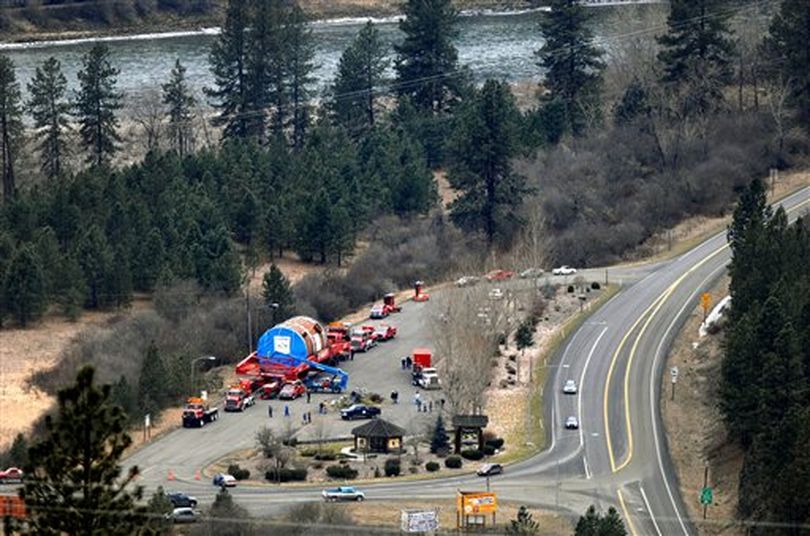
(71, 19)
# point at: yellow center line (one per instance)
(657, 304)
(627, 517)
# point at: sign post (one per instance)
(706, 494)
(705, 303)
(673, 372)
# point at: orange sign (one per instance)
(472, 503)
(12, 506)
(706, 301)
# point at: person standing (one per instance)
(286, 410)
(309, 395)
(270, 411)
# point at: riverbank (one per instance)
(77, 22)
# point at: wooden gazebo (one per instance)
(378, 435)
(469, 424)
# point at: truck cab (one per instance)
(238, 399)
(197, 413)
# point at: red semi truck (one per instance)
(239, 397)
(198, 413)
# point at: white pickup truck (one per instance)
(343, 493)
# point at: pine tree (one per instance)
(276, 289)
(180, 101)
(6, 253)
(18, 452)
(595, 524)
(696, 55)
(360, 71)
(266, 70)
(228, 59)
(97, 101)
(480, 167)
(523, 524)
(96, 259)
(150, 262)
(299, 68)
(633, 106)
(153, 383)
(123, 395)
(439, 440)
(78, 469)
(47, 249)
(524, 337)
(788, 47)
(71, 290)
(218, 265)
(428, 73)
(221, 515)
(118, 280)
(572, 64)
(159, 507)
(11, 129)
(24, 286)
(412, 186)
(50, 109)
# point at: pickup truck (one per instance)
(343, 493)
(12, 475)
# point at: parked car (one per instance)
(531, 272)
(223, 479)
(181, 500)
(269, 390)
(496, 294)
(499, 275)
(564, 270)
(385, 332)
(359, 411)
(12, 475)
(467, 281)
(490, 469)
(570, 387)
(343, 493)
(572, 423)
(183, 515)
(379, 311)
(292, 390)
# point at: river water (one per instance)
(492, 45)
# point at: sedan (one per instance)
(490, 469)
(181, 500)
(291, 391)
(222, 479)
(183, 515)
(570, 387)
(572, 423)
(564, 270)
(359, 411)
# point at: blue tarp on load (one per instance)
(283, 341)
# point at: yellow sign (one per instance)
(706, 301)
(472, 503)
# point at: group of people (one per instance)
(306, 417)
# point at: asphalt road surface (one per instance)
(618, 456)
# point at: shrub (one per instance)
(376, 398)
(237, 472)
(392, 467)
(570, 289)
(326, 456)
(489, 450)
(308, 453)
(432, 467)
(595, 285)
(453, 462)
(495, 442)
(285, 474)
(413, 470)
(376, 472)
(472, 454)
(341, 472)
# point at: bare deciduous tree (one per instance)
(150, 118)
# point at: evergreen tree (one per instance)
(71, 290)
(218, 265)
(633, 106)
(150, 262)
(6, 253)
(180, 102)
(47, 249)
(439, 440)
(572, 64)
(524, 337)
(123, 395)
(361, 69)
(480, 167)
(50, 109)
(18, 452)
(221, 515)
(696, 54)
(523, 524)
(277, 289)
(118, 280)
(299, 68)
(79, 488)
(266, 69)
(411, 185)
(158, 508)
(228, 59)
(24, 286)
(788, 46)
(11, 129)
(595, 524)
(428, 73)
(96, 261)
(97, 101)
(153, 382)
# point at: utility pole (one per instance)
(249, 329)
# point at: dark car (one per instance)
(181, 500)
(490, 469)
(359, 411)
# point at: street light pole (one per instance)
(194, 368)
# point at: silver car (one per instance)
(570, 387)
(183, 515)
(572, 423)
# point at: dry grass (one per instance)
(382, 514)
(694, 425)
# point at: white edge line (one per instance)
(647, 505)
(653, 400)
(581, 381)
(585, 463)
(556, 382)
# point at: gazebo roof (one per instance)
(378, 428)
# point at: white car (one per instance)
(564, 270)
(570, 387)
(343, 493)
(496, 294)
(224, 480)
(183, 515)
(572, 423)
(467, 281)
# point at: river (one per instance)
(492, 45)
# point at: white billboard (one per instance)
(420, 520)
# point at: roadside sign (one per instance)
(419, 520)
(673, 372)
(706, 496)
(147, 420)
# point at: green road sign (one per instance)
(706, 496)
